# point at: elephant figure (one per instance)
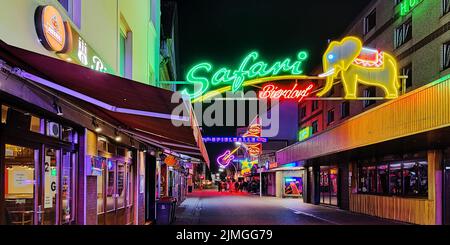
(358, 64)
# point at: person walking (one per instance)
(236, 186)
(219, 186)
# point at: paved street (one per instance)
(213, 208)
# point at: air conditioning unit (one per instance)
(53, 129)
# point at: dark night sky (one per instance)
(224, 31)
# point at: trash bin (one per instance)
(165, 211)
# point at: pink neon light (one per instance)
(225, 159)
(273, 92)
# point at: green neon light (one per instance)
(408, 5)
(304, 133)
(249, 69)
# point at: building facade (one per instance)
(83, 138)
(379, 157)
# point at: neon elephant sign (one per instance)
(347, 60)
(359, 65)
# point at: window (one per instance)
(330, 116)
(408, 178)
(370, 93)
(345, 109)
(315, 105)
(446, 6)
(407, 71)
(370, 21)
(303, 112)
(73, 9)
(403, 33)
(126, 55)
(315, 127)
(446, 55)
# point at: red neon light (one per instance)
(273, 92)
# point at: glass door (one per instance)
(130, 194)
(51, 171)
(67, 211)
(20, 185)
(329, 185)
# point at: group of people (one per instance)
(232, 186)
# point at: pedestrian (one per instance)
(219, 185)
(236, 186)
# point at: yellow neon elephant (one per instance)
(341, 58)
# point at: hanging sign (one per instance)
(346, 60)
(61, 37)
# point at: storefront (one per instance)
(387, 162)
(446, 188)
(39, 159)
(71, 155)
(283, 181)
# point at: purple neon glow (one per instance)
(225, 162)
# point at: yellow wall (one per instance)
(100, 21)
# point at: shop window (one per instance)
(345, 109)
(395, 179)
(73, 9)
(399, 179)
(315, 127)
(100, 166)
(370, 21)
(110, 192)
(445, 6)
(69, 134)
(446, 55)
(403, 34)
(382, 179)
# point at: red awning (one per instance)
(144, 110)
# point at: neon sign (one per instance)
(356, 64)
(235, 140)
(304, 133)
(226, 158)
(273, 92)
(203, 78)
(246, 166)
(407, 6)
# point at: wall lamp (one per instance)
(57, 108)
(117, 137)
(97, 127)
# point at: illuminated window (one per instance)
(315, 127)
(330, 116)
(4, 113)
(370, 93)
(446, 6)
(73, 9)
(370, 21)
(407, 71)
(446, 55)
(345, 109)
(403, 33)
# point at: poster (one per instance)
(293, 186)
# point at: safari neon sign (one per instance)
(346, 60)
(204, 78)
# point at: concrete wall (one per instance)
(100, 23)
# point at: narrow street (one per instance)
(212, 208)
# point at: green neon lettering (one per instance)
(248, 69)
(407, 5)
(201, 84)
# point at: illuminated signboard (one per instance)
(235, 139)
(60, 37)
(304, 133)
(250, 72)
(346, 60)
(246, 166)
(406, 6)
(272, 91)
(356, 64)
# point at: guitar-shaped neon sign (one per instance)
(225, 159)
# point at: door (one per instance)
(329, 185)
(50, 205)
(21, 196)
(130, 195)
